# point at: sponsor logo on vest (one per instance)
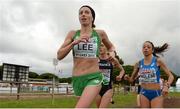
(96, 81)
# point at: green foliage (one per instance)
(119, 59)
(116, 73)
(128, 69)
(33, 75)
(47, 76)
(165, 77)
(65, 80)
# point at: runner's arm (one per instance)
(66, 46)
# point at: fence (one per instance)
(21, 89)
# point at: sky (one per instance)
(31, 31)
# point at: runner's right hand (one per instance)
(82, 39)
(126, 77)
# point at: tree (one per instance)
(48, 76)
(33, 75)
(165, 76)
(128, 70)
(119, 59)
(65, 80)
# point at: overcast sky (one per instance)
(31, 31)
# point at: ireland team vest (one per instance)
(89, 49)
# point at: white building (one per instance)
(178, 83)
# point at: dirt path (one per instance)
(172, 102)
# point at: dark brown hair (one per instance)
(93, 14)
(158, 49)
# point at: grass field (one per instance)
(121, 101)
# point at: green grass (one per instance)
(174, 94)
(39, 103)
(124, 101)
(121, 101)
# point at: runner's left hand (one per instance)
(118, 78)
(165, 91)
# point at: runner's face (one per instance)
(147, 49)
(85, 16)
